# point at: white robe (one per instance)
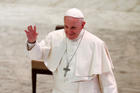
(91, 64)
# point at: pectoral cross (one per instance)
(66, 69)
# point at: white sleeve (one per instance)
(108, 82)
(30, 45)
(39, 51)
(35, 53)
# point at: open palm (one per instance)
(31, 34)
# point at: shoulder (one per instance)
(57, 34)
(93, 38)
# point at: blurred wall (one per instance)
(117, 22)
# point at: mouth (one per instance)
(72, 34)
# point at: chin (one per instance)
(72, 38)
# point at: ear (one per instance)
(83, 24)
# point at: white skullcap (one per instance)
(74, 12)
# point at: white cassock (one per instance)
(90, 67)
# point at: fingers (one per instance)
(31, 33)
(30, 28)
(35, 28)
(26, 32)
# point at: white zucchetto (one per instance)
(74, 12)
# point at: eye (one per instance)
(66, 26)
(73, 27)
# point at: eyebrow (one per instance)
(73, 27)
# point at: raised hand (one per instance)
(31, 34)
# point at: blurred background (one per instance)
(117, 22)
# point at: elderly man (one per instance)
(79, 60)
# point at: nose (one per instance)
(70, 31)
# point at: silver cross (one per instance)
(66, 69)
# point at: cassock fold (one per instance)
(92, 56)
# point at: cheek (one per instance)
(67, 32)
(77, 32)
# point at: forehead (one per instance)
(71, 19)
